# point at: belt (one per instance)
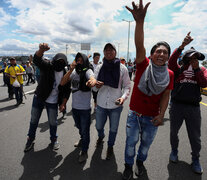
(138, 114)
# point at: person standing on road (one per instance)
(185, 99)
(113, 85)
(149, 100)
(6, 80)
(82, 79)
(30, 72)
(96, 57)
(15, 72)
(48, 94)
(130, 69)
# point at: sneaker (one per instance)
(99, 141)
(128, 173)
(29, 145)
(109, 153)
(174, 156)
(83, 156)
(18, 103)
(55, 145)
(11, 97)
(196, 167)
(78, 143)
(140, 169)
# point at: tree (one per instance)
(204, 63)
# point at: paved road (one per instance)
(43, 163)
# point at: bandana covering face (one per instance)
(154, 80)
(81, 71)
(59, 62)
(110, 73)
(59, 65)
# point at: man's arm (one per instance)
(126, 85)
(187, 40)
(38, 56)
(91, 82)
(158, 120)
(66, 77)
(22, 71)
(62, 107)
(201, 76)
(172, 63)
(139, 13)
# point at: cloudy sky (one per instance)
(25, 23)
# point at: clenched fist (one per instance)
(44, 47)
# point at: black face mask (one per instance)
(79, 68)
(58, 66)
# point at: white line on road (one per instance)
(30, 91)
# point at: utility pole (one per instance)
(66, 48)
(128, 38)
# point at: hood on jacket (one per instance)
(59, 62)
(82, 67)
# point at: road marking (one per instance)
(203, 103)
(30, 91)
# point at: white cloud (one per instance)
(157, 4)
(12, 46)
(4, 17)
(72, 22)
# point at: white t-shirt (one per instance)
(94, 66)
(53, 97)
(80, 100)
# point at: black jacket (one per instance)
(46, 82)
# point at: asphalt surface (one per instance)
(42, 163)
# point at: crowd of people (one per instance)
(15, 74)
(158, 79)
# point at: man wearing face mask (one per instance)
(82, 79)
(49, 93)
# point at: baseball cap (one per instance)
(12, 58)
(189, 53)
(111, 45)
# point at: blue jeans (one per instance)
(101, 117)
(18, 93)
(82, 120)
(52, 112)
(138, 125)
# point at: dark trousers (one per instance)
(130, 75)
(82, 120)
(95, 95)
(10, 90)
(30, 78)
(18, 93)
(192, 116)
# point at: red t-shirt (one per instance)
(141, 103)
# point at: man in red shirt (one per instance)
(152, 85)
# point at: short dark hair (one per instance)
(96, 54)
(160, 44)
